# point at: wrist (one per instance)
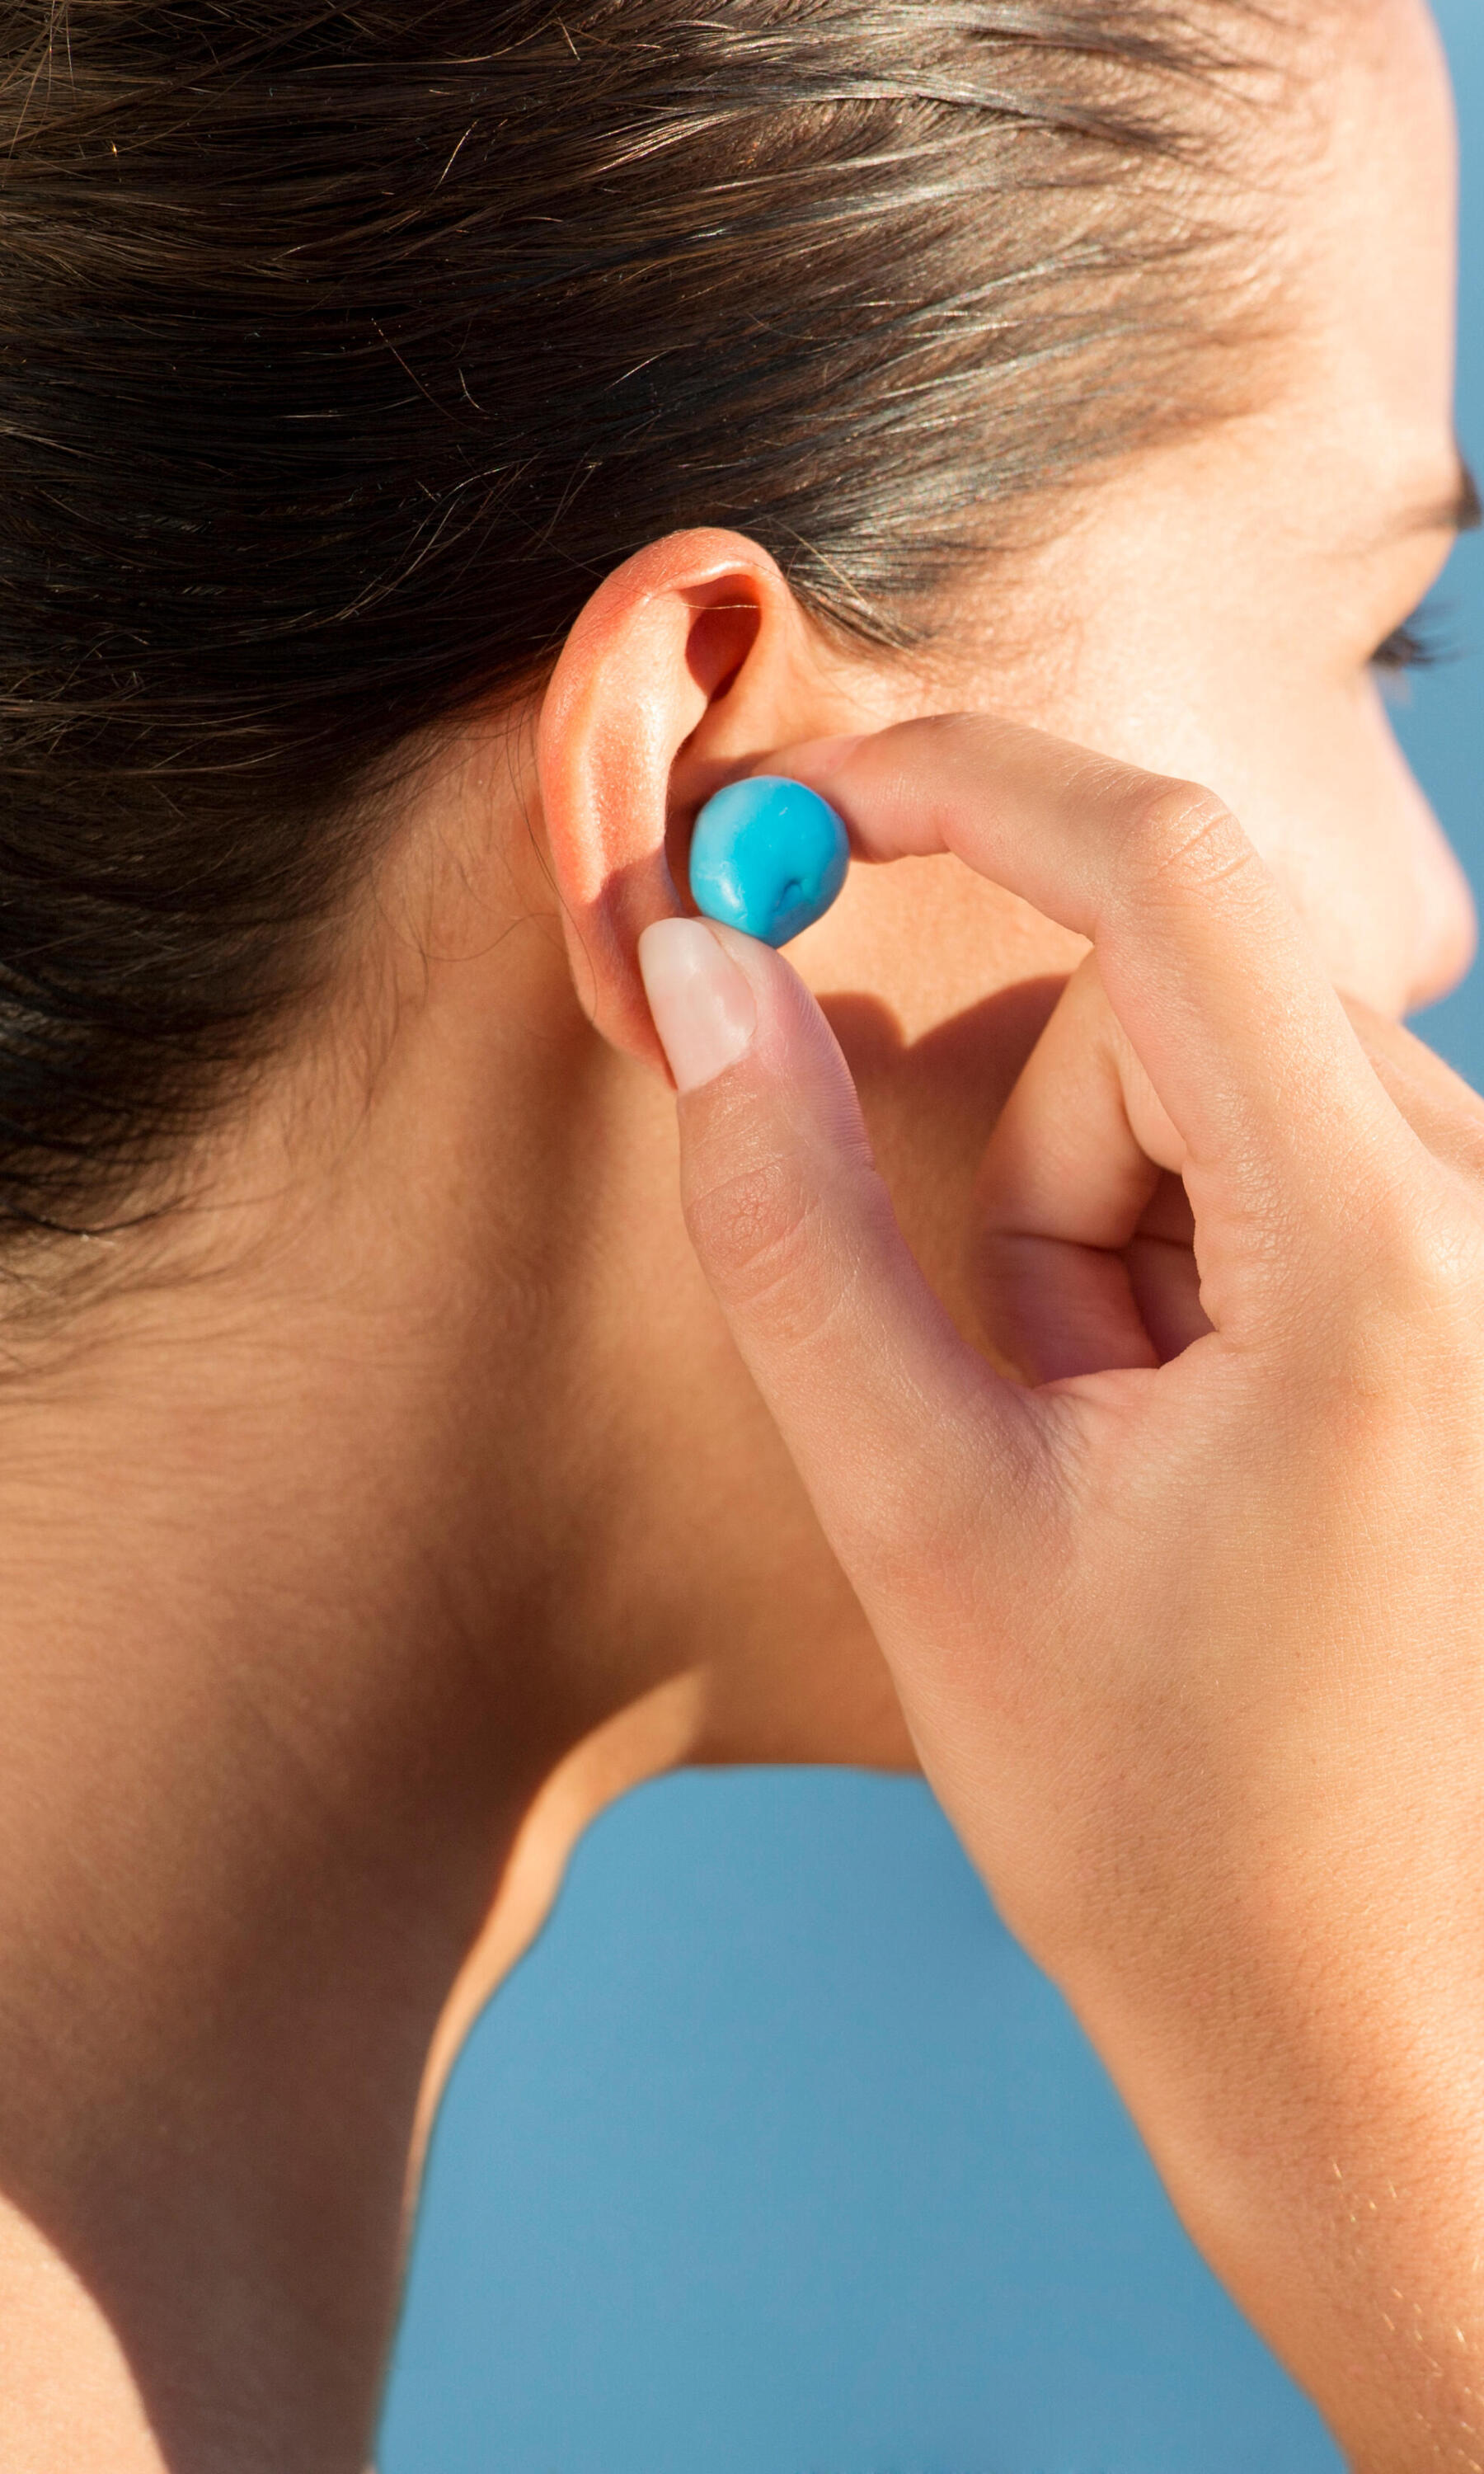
(1336, 2185)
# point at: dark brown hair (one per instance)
(343, 348)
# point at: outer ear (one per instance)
(688, 663)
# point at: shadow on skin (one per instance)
(930, 1105)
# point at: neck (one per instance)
(359, 1544)
(296, 1742)
(259, 1782)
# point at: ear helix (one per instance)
(768, 856)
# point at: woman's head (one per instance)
(346, 350)
(445, 444)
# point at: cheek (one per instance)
(1322, 787)
(1348, 829)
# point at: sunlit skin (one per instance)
(403, 1499)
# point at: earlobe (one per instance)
(665, 688)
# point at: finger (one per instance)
(1163, 1274)
(1062, 1189)
(1081, 1250)
(1221, 994)
(907, 1441)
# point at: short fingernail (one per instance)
(703, 1007)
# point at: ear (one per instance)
(688, 664)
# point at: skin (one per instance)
(405, 1496)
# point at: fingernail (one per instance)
(703, 1007)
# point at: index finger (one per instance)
(1220, 990)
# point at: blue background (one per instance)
(776, 2156)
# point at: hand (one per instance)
(1188, 1627)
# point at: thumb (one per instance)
(890, 1417)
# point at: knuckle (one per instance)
(1428, 1250)
(1468, 1142)
(1177, 831)
(1414, 1320)
(757, 1231)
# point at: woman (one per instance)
(444, 447)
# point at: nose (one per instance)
(1446, 929)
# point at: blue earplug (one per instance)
(769, 856)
